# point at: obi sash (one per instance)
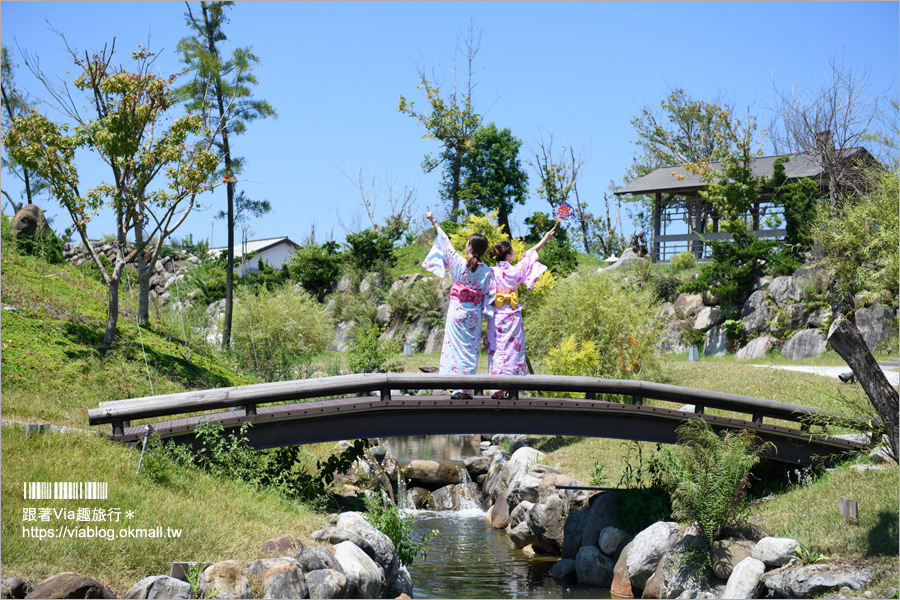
(461, 293)
(511, 298)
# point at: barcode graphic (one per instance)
(66, 490)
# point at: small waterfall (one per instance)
(468, 491)
(404, 502)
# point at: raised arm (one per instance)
(431, 218)
(544, 239)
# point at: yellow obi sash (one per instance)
(511, 298)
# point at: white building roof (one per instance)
(252, 246)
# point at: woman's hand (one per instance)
(544, 239)
(430, 217)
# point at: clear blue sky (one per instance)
(334, 71)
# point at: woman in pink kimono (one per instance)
(505, 338)
(472, 291)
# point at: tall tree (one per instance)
(220, 92)
(493, 178)
(16, 103)
(127, 133)
(451, 119)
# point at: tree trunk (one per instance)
(143, 277)
(112, 314)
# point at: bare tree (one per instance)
(401, 202)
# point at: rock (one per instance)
(70, 585)
(755, 348)
(402, 586)
(434, 341)
(875, 324)
(518, 530)
(784, 291)
(805, 343)
(716, 342)
(820, 318)
(546, 519)
(343, 333)
(431, 474)
(666, 312)
(653, 587)
(670, 341)
(611, 541)
(500, 513)
(709, 299)
(628, 258)
(647, 548)
(678, 573)
(526, 489)
(519, 464)
(260, 567)
(286, 581)
(708, 317)
(13, 587)
(326, 583)
(224, 579)
(476, 465)
(316, 558)
(815, 580)
(342, 285)
(383, 551)
(160, 586)
(417, 333)
(775, 552)
(621, 583)
(419, 497)
(744, 581)
(603, 512)
(755, 312)
(454, 497)
(281, 546)
(728, 553)
(593, 567)
(688, 305)
(365, 579)
(29, 220)
(494, 481)
(573, 532)
(564, 568)
(383, 314)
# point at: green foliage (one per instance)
(574, 359)
(618, 320)
(487, 226)
(368, 249)
(370, 354)
(559, 257)
(276, 330)
(644, 499)
(207, 279)
(316, 268)
(800, 199)
(708, 475)
(665, 287)
(682, 261)
(693, 336)
(266, 277)
(597, 477)
(387, 518)
(419, 299)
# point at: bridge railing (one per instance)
(120, 412)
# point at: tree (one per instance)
(451, 119)
(493, 175)
(16, 103)
(128, 135)
(220, 92)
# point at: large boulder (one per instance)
(500, 513)
(612, 541)
(383, 551)
(316, 558)
(670, 341)
(286, 581)
(343, 333)
(224, 580)
(875, 324)
(805, 343)
(784, 291)
(621, 583)
(564, 568)
(70, 585)
(402, 585)
(593, 567)
(518, 529)
(726, 554)
(365, 579)
(604, 510)
(547, 520)
(281, 546)
(755, 348)
(708, 317)
(160, 586)
(688, 305)
(744, 581)
(431, 474)
(494, 481)
(520, 464)
(716, 342)
(454, 497)
(476, 466)
(647, 548)
(13, 587)
(815, 580)
(326, 583)
(629, 257)
(679, 574)
(775, 552)
(573, 532)
(29, 221)
(755, 313)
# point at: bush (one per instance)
(559, 257)
(594, 307)
(369, 354)
(387, 518)
(685, 260)
(276, 330)
(368, 248)
(422, 298)
(207, 279)
(574, 359)
(315, 268)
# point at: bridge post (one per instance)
(590, 395)
(385, 394)
(757, 417)
(699, 408)
(637, 400)
(249, 409)
(513, 394)
(118, 428)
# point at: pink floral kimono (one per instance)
(472, 291)
(505, 332)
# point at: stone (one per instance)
(775, 552)
(365, 579)
(454, 497)
(755, 313)
(573, 531)
(647, 548)
(281, 546)
(417, 333)
(875, 324)
(708, 317)
(547, 522)
(564, 568)
(261, 566)
(419, 497)
(806, 343)
(494, 481)
(326, 583)
(343, 333)
(629, 257)
(476, 465)
(70, 585)
(621, 583)
(678, 574)
(815, 580)
(383, 314)
(784, 291)
(316, 558)
(434, 341)
(603, 512)
(431, 474)
(224, 579)
(715, 343)
(728, 553)
(710, 299)
(666, 312)
(520, 535)
(519, 464)
(593, 567)
(160, 586)
(653, 587)
(28, 220)
(527, 488)
(611, 541)
(285, 582)
(820, 318)
(744, 581)
(383, 551)
(500, 513)
(688, 305)
(402, 585)
(13, 587)
(755, 348)
(670, 341)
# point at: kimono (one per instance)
(505, 333)
(471, 292)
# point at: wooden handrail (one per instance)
(118, 411)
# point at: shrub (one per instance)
(368, 248)
(574, 359)
(369, 354)
(278, 329)
(644, 499)
(315, 268)
(421, 298)
(685, 260)
(386, 517)
(207, 279)
(617, 319)
(559, 256)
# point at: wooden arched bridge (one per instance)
(378, 405)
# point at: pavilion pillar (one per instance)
(654, 241)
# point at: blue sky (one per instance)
(334, 71)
